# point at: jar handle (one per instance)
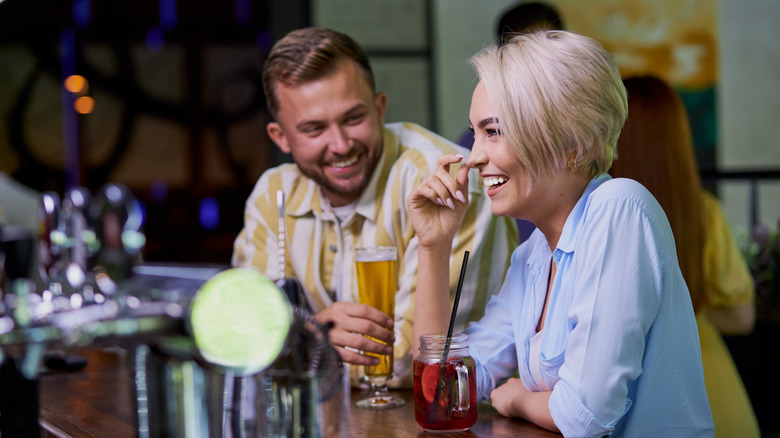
(464, 399)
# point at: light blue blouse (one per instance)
(620, 347)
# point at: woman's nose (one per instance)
(477, 157)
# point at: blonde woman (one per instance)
(593, 314)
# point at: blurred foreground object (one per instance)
(208, 346)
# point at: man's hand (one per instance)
(350, 322)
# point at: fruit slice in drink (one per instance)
(445, 394)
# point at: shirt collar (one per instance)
(570, 228)
(310, 200)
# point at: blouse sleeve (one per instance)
(726, 275)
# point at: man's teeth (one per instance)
(346, 162)
(494, 181)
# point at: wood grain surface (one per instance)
(98, 402)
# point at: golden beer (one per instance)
(376, 288)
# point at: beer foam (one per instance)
(375, 254)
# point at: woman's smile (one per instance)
(494, 183)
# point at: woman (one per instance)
(593, 314)
(655, 148)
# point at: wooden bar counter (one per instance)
(97, 402)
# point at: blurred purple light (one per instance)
(70, 128)
(168, 18)
(242, 11)
(81, 13)
(159, 191)
(209, 213)
(263, 40)
(154, 39)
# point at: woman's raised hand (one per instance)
(438, 204)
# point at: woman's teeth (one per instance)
(346, 162)
(494, 181)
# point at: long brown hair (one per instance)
(656, 149)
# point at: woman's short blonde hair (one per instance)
(559, 99)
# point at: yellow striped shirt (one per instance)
(319, 250)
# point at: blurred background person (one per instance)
(655, 148)
(528, 17)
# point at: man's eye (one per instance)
(354, 120)
(311, 130)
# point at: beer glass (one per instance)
(376, 288)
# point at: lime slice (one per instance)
(240, 321)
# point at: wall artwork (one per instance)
(673, 39)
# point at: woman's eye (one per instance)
(492, 132)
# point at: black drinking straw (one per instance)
(449, 334)
(457, 299)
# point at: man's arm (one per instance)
(258, 239)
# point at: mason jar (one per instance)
(445, 387)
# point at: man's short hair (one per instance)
(309, 54)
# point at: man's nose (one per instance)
(339, 140)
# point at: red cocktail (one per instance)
(445, 394)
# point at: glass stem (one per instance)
(378, 389)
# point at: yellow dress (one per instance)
(728, 283)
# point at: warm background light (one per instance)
(76, 84)
(84, 105)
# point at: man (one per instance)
(347, 189)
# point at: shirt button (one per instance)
(333, 248)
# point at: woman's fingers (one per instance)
(444, 161)
(447, 189)
(441, 190)
(462, 177)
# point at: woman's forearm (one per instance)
(535, 408)
(432, 295)
(513, 400)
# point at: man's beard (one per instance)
(352, 191)
(328, 185)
